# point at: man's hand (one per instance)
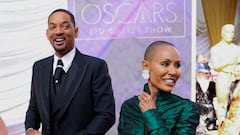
(31, 131)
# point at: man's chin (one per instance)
(59, 48)
(229, 39)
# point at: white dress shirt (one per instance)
(66, 59)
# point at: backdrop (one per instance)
(120, 31)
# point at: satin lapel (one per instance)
(45, 79)
(78, 70)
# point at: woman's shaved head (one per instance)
(152, 47)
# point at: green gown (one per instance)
(173, 116)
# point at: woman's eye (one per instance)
(178, 65)
(165, 64)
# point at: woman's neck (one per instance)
(153, 91)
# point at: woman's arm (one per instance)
(3, 128)
(185, 125)
(130, 120)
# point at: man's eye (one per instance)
(65, 26)
(51, 27)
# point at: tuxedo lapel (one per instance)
(75, 76)
(45, 80)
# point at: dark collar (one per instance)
(160, 95)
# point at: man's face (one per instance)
(61, 33)
(228, 33)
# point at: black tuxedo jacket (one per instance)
(87, 107)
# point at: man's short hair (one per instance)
(65, 11)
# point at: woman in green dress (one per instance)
(156, 111)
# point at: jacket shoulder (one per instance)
(93, 59)
(43, 60)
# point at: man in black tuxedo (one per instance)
(81, 101)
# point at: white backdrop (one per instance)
(23, 25)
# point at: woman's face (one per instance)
(164, 68)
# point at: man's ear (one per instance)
(47, 34)
(76, 32)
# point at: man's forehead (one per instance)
(58, 19)
(59, 14)
(228, 28)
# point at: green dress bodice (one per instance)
(174, 116)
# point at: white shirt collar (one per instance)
(66, 59)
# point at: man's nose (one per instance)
(59, 30)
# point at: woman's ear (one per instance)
(145, 72)
(145, 65)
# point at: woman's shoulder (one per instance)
(186, 108)
(185, 102)
(131, 105)
(189, 107)
(131, 102)
(130, 109)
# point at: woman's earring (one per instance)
(145, 74)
